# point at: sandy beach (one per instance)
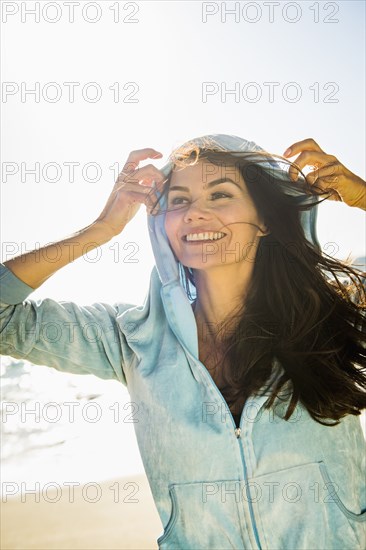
(119, 513)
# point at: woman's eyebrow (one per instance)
(210, 184)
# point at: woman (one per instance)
(247, 396)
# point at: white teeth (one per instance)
(211, 235)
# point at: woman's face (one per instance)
(211, 205)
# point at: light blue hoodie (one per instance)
(271, 484)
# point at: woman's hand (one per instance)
(329, 173)
(132, 188)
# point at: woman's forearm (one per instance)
(36, 266)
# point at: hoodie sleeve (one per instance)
(63, 335)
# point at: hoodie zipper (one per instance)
(237, 432)
(238, 436)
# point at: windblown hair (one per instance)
(304, 308)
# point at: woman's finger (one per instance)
(306, 144)
(152, 202)
(146, 195)
(327, 179)
(311, 158)
(330, 171)
(146, 175)
(135, 157)
(321, 185)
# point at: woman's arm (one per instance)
(63, 335)
(69, 337)
(33, 268)
(329, 173)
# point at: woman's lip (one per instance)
(198, 231)
(201, 241)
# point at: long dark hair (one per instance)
(304, 308)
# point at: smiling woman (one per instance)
(263, 290)
(247, 358)
(203, 210)
(218, 206)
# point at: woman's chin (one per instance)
(201, 263)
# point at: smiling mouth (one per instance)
(208, 236)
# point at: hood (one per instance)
(176, 302)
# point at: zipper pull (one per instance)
(237, 432)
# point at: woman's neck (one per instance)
(219, 298)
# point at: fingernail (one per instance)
(287, 152)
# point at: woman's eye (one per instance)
(222, 194)
(177, 200)
(180, 200)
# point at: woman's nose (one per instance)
(197, 210)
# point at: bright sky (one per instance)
(169, 52)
